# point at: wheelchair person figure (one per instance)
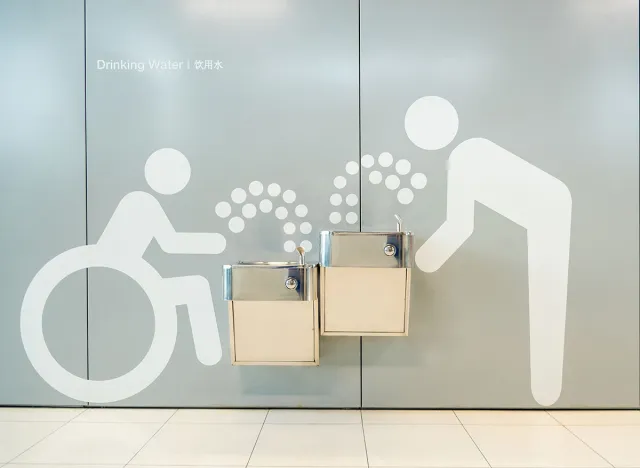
(137, 220)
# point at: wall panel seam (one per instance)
(86, 183)
(360, 171)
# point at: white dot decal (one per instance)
(256, 188)
(238, 195)
(431, 122)
(236, 224)
(405, 196)
(301, 211)
(289, 246)
(266, 206)
(335, 199)
(375, 177)
(367, 161)
(392, 182)
(352, 167)
(281, 212)
(289, 228)
(335, 217)
(273, 190)
(419, 180)
(340, 182)
(352, 199)
(223, 209)
(385, 159)
(351, 217)
(305, 228)
(306, 245)
(289, 196)
(403, 167)
(249, 210)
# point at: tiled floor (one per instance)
(105, 438)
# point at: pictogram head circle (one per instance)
(167, 171)
(431, 122)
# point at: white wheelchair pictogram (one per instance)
(137, 220)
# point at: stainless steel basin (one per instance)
(366, 249)
(270, 281)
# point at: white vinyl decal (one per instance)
(350, 199)
(481, 171)
(478, 171)
(392, 182)
(249, 211)
(137, 220)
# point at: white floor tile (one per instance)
(46, 465)
(597, 418)
(310, 445)
(620, 445)
(439, 417)
(219, 416)
(172, 466)
(113, 415)
(16, 437)
(130, 465)
(295, 416)
(533, 446)
(200, 444)
(89, 444)
(421, 445)
(500, 418)
(39, 414)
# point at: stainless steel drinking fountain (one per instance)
(365, 280)
(273, 312)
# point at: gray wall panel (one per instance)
(554, 83)
(42, 186)
(283, 109)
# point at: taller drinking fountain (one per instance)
(365, 281)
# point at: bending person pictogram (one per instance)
(137, 220)
(481, 171)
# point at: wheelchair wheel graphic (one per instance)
(97, 391)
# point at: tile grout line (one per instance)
(150, 438)
(45, 437)
(554, 418)
(472, 439)
(264, 421)
(587, 445)
(579, 438)
(364, 438)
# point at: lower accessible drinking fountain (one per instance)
(273, 312)
(365, 280)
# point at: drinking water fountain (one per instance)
(273, 312)
(365, 281)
